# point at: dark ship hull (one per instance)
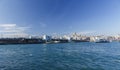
(80, 41)
(20, 41)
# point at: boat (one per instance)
(103, 41)
(60, 40)
(56, 41)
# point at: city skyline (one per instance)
(60, 16)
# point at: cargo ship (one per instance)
(20, 41)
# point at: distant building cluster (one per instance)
(75, 37)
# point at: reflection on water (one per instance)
(66, 56)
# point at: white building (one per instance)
(47, 38)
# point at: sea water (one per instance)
(63, 56)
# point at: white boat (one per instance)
(103, 41)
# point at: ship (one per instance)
(60, 40)
(5, 41)
(103, 41)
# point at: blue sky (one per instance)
(60, 16)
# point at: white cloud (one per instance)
(7, 25)
(87, 32)
(12, 28)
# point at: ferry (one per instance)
(103, 41)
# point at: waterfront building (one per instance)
(46, 38)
